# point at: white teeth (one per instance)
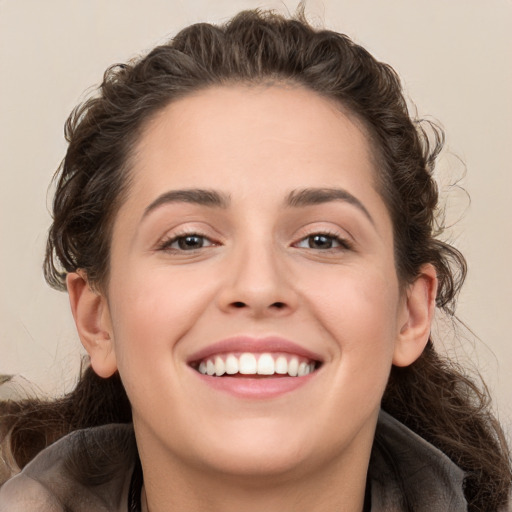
(210, 368)
(293, 367)
(281, 366)
(256, 364)
(266, 365)
(231, 365)
(302, 369)
(247, 364)
(220, 367)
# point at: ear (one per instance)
(416, 317)
(92, 318)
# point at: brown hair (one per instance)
(433, 397)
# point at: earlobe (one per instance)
(92, 319)
(418, 314)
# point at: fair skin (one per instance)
(263, 261)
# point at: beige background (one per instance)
(454, 57)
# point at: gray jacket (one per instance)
(90, 471)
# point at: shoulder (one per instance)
(21, 493)
(87, 470)
(408, 472)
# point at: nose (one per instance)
(258, 283)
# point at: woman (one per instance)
(244, 223)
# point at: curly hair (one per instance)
(433, 396)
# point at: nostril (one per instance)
(274, 305)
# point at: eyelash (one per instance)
(343, 243)
(166, 244)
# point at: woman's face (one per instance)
(253, 226)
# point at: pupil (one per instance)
(190, 242)
(320, 242)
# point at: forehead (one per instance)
(246, 129)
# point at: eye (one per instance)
(322, 241)
(186, 242)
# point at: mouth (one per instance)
(255, 368)
(255, 365)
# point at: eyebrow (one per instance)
(313, 196)
(296, 198)
(198, 196)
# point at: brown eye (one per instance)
(321, 242)
(189, 242)
(324, 242)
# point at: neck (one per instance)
(333, 486)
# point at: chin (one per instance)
(256, 452)
(259, 464)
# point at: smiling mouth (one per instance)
(254, 365)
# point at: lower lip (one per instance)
(256, 388)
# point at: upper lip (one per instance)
(255, 346)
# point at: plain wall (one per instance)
(454, 58)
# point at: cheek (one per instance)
(152, 309)
(358, 307)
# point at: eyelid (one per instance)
(164, 244)
(344, 237)
(343, 242)
(335, 239)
